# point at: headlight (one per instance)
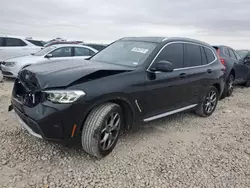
(10, 64)
(63, 96)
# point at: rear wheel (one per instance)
(101, 129)
(209, 103)
(229, 87)
(247, 83)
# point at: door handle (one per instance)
(183, 75)
(209, 71)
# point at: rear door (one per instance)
(197, 72)
(82, 52)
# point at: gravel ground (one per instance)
(183, 150)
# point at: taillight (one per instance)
(221, 59)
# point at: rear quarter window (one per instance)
(209, 54)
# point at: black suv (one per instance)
(132, 80)
(236, 69)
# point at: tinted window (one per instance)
(236, 55)
(226, 51)
(172, 53)
(209, 54)
(231, 54)
(193, 55)
(203, 56)
(14, 42)
(62, 52)
(36, 42)
(1, 41)
(127, 53)
(242, 53)
(96, 46)
(82, 52)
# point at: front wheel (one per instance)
(101, 129)
(209, 103)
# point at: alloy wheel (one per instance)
(111, 131)
(210, 101)
(230, 85)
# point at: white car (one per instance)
(11, 67)
(15, 46)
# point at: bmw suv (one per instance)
(133, 80)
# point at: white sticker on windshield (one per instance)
(135, 63)
(140, 50)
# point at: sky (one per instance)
(216, 22)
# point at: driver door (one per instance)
(166, 91)
(62, 53)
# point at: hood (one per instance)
(27, 58)
(64, 72)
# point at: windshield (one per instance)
(127, 53)
(242, 53)
(44, 51)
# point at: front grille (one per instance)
(26, 89)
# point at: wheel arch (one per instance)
(123, 102)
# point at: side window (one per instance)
(193, 55)
(82, 52)
(62, 52)
(231, 54)
(172, 53)
(209, 54)
(1, 41)
(226, 51)
(236, 55)
(14, 42)
(203, 56)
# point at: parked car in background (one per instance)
(98, 47)
(245, 60)
(236, 71)
(15, 46)
(11, 67)
(137, 79)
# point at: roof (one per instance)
(145, 39)
(71, 45)
(162, 39)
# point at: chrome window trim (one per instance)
(170, 113)
(182, 42)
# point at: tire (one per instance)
(229, 86)
(201, 110)
(247, 83)
(97, 129)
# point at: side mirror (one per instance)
(49, 56)
(247, 59)
(163, 66)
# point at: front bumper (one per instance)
(9, 71)
(54, 122)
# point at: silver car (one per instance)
(11, 67)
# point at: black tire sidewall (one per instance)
(100, 128)
(203, 103)
(231, 76)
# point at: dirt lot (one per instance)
(183, 150)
